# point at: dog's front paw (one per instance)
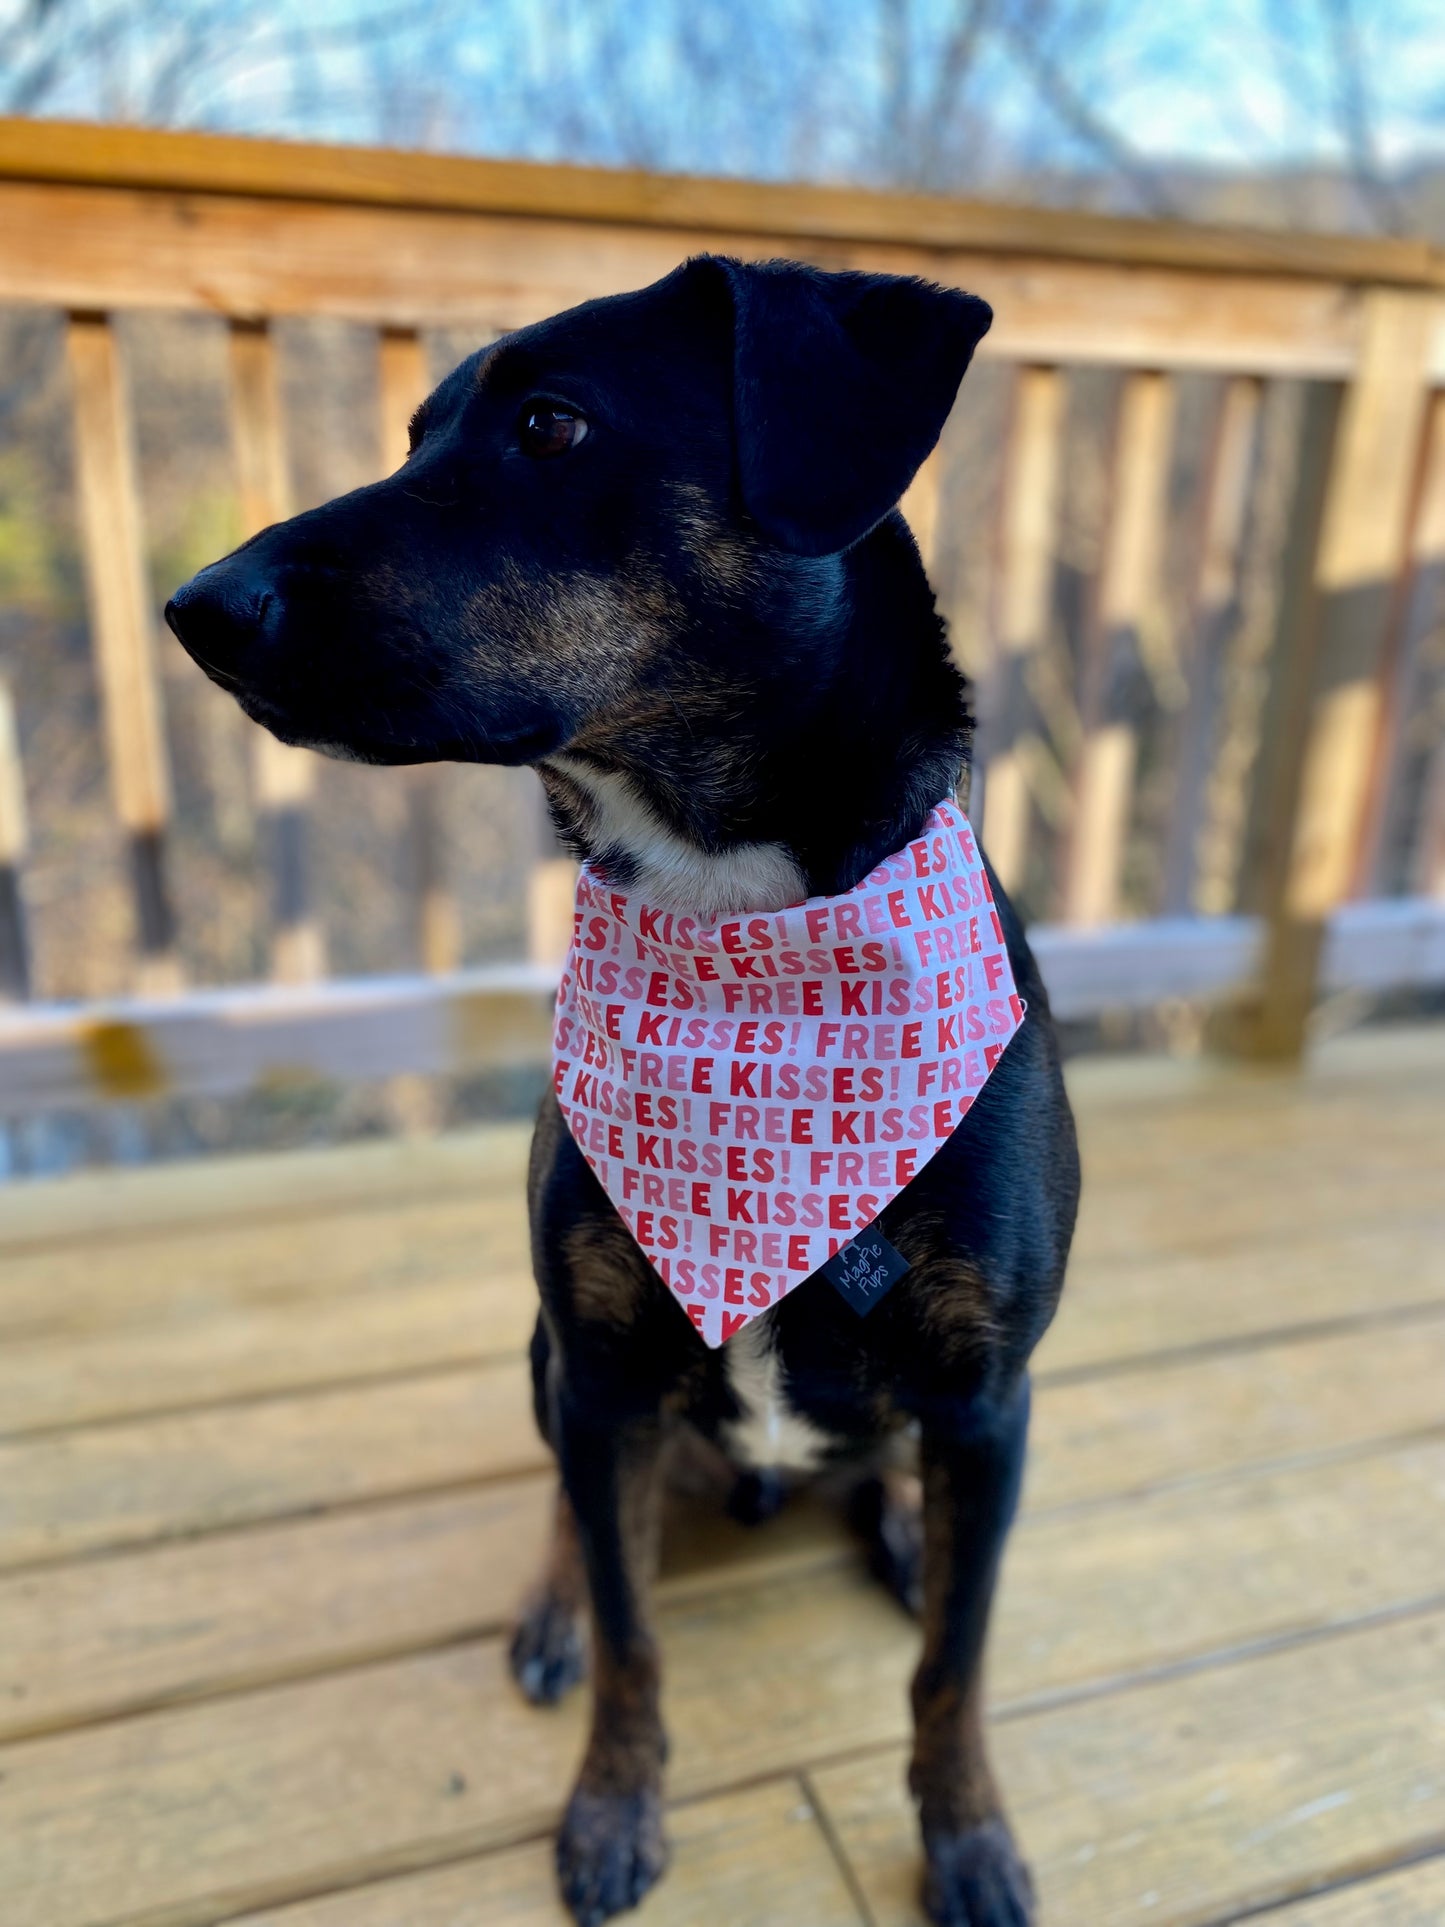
(977, 1879)
(610, 1851)
(548, 1656)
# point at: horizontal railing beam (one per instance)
(115, 248)
(81, 153)
(216, 1043)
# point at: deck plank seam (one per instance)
(1340, 1882)
(421, 1857)
(364, 1205)
(118, 1548)
(461, 1364)
(458, 1362)
(483, 1632)
(1212, 1659)
(542, 1836)
(841, 1859)
(999, 1712)
(1223, 1475)
(1420, 1311)
(1352, 1450)
(451, 1368)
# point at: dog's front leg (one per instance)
(547, 1656)
(972, 1472)
(611, 1848)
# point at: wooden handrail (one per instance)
(112, 156)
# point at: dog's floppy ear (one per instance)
(841, 386)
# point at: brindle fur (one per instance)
(712, 601)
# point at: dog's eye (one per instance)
(549, 428)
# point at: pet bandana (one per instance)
(752, 1092)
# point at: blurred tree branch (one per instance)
(1027, 27)
(946, 96)
(148, 65)
(1353, 109)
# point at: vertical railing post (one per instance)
(402, 386)
(1331, 707)
(551, 890)
(920, 506)
(1214, 605)
(1397, 758)
(285, 777)
(1128, 598)
(1427, 864)
(14, 938)
(123, 626)
(1428, 868)
(1028, 536)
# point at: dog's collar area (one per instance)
(752, 1091)
(629, 843)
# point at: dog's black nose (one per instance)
(217, 618)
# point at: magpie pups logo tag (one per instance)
(866, 1270)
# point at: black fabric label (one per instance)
(866, 1270)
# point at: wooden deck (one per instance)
(269, 1490)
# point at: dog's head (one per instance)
(632, 499)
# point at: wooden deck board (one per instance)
(96, 1208)
(1213, 1786)
(258, 1351)
(105, 1486)
(175, 1816)
(157, 1276)
(751, 1859)
(205, 1343)
(1196, 1418)
(1189, 1799)
(113, 1485)
(1148, 1585)
(1114, 1312)
(1413, 1897)
(269, 1487)
(184, 1321)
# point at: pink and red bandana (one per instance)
(751, 1093)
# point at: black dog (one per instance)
(651, 546)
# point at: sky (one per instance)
(1232, 82)
(826, 89)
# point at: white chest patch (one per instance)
(770, 1435)
(674, 874)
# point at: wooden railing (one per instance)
(97, 221)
